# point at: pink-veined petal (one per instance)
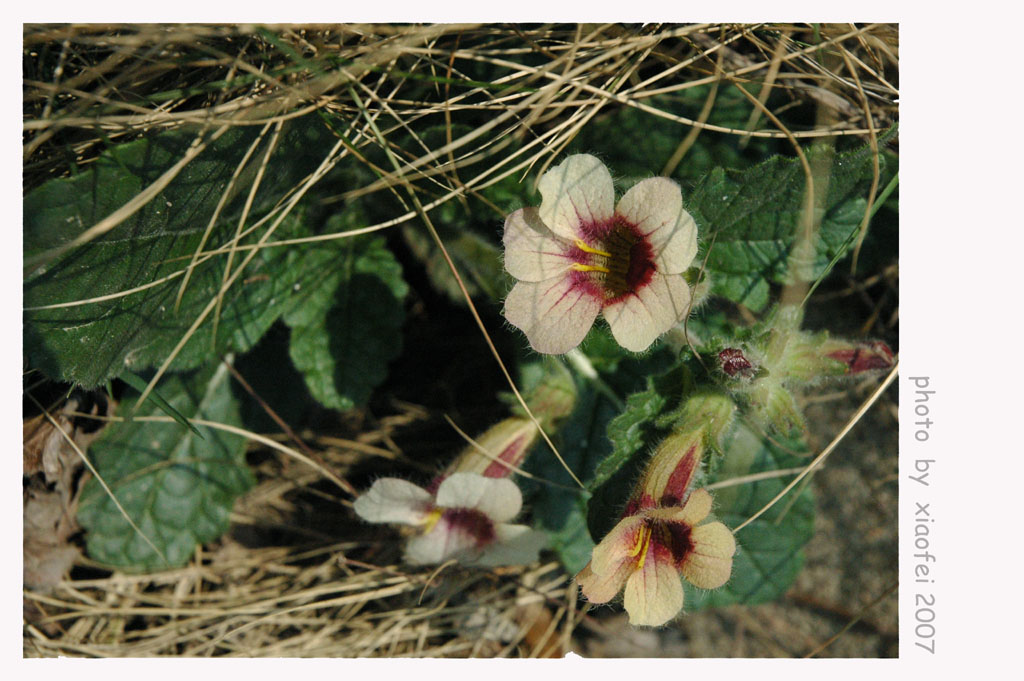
(443, 542)
(602, 588)
(708, 564)
(654, 593)
(638, 319)
(576, 194)
(532, 251)
(655, 206)
(497, 498)
(392, 500)
(555, 314)
(513, 545)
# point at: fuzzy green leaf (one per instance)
(753, 218)
(177, 488)
(769, 552)
(91, 343)
(348, 328)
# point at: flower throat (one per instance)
(621, 261)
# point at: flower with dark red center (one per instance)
(646, 553)
(466, 519)
(579, 255)
(660, 539)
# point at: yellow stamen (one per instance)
(580, 267)
(431, 520)
(640, 548)
(582, 245)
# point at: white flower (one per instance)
(579, 255)
(467, 519)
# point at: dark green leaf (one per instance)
(177, 488)
(348, 328)
(751, 219)
(88, 344)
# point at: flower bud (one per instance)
(499, 451)
(860, 357)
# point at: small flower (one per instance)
(646, 553)
(659, 538)
(579, 255)
(466, 519)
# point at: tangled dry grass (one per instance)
(253, 593)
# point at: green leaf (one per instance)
(347, 329)
(752, 219)
(177, 488)
(91, 343)
(769, 552)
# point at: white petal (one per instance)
(391, 500)
(514, 545)
(554, 314)
(497, 498)
(639, 318)
(576, 193)
(532, 252)
(655, 206)
(653, 594)
(440, 544)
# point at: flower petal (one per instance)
(655, 206)
(639, 318)
(708, 564)
(443, 542)
(532, 251)
(696, 508)
(576, 194)
(602, 588)
(497, 498)
(555, 314)
(391, 500)
(654, 593)
(514, 545)
(619, 545)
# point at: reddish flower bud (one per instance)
(735, 364)
(861, 357)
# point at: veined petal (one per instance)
(602, 588)
(655, 206)
(392, 500)
(497, 498)
(708, 564)
(622, 544)
(654, 593)
(554, 314)
(513, 545)
(576, 194)
(639, 318)
(532, 251)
